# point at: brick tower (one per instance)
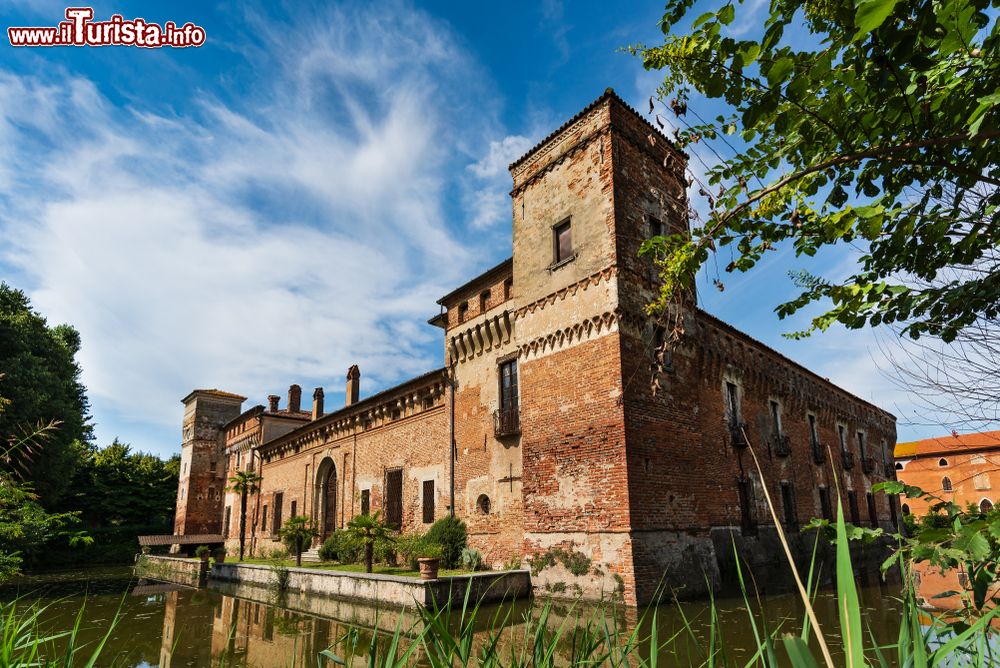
(203, 466)
(583, 201)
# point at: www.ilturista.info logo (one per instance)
(80, 30)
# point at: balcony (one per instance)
(868, 465)
(781, 446)
(819, 452)
(737, 434)
(506, 422)
(848, 459)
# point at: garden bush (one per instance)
(472, 559)
(341, 546)
(409, 547)
(384, 551)
(450, 533)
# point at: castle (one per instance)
(542, 430)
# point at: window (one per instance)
(396, 414)
(748, 522)
(942, 462)
(899, 466)
(824, 503)
(508, 386)
(985, 506)
(906, 509)
(484, 300)
(366, 502)
(981, 481)
(483, 504)
(861, 443)
(263, 519)
(185, 467)
(733, 403)
(394, 498)
(775, 418)
(238, 457)
(428, 402)
(656, 227)
(788, 504)
(463, 311)
(183, 493)
(872, 511)
(813, 434)
(893, 516)
(225, 522)
(428, 501)
(293, 513)
(852, 501)
(211, 466)
(842, 432)
(508, 288)
(946, 484)
(562, 242)
(276, 523)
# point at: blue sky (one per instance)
(292, 197)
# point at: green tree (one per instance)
(244, 483)
(367, 529)
(864, 122)
(25, 526)
(297, 533)
(42, 379)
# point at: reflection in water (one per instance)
(167, 625)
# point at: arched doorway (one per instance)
(326, 498)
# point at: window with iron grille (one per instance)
(293, 513)
(428, 501)
(861, 444)
(824, 503)
(508, 386)
(225, 523)
(748, 521)
(788, 504)
(366, 502)
(263, 518)
(733, 403)
(852, 502)
(872, 510)
(278, 502)
(394, 498)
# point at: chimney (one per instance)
(272, 402)
(294, 399)
(353, 380)
(318, 403)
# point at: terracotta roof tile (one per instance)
(953, 442)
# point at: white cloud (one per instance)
(500, 154)
(253, 244)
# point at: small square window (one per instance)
(484, 299)
(463, 311)
(562, 235)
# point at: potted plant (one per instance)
(202, 552)
(220, 555)
(430, 561)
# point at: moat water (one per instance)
(167, 625)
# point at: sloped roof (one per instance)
(984, 440)
(199, 539)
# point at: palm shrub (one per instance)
(297, 533)
(367, 529)
(244, 483)
(450, 533)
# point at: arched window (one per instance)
(946, 484)
(985, 505)
(899, 466)
(483, 504)
(942, 462)
(906, 509)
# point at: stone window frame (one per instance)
(733, 413)
(774, 414)
(501, 362)
(812, 419)
(842, 438)
(557, 260)
(946, 485)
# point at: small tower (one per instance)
(201, 488)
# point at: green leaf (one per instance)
(871, 14)
(727, 14)
(779, 70)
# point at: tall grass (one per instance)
(24, 644)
